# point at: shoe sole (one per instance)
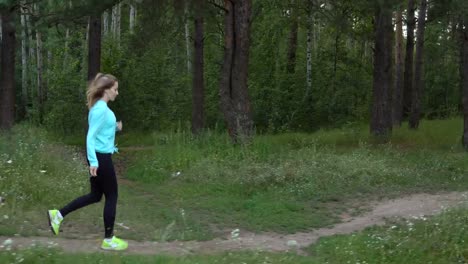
(113, 249)
(50, 223)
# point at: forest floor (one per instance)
(376, 213)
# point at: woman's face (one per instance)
(113, 92)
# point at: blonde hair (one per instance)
(97, 87)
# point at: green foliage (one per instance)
(66, 111)
(442, 94)
(156, 86)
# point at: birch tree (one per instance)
(132, 18)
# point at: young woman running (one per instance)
(99, 147)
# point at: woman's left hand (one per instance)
(119, 126)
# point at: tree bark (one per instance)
(187, 38)
(39, 68)
(418, 88)
(67, 40)
(66, 51)
(7, 81)
(132, 18)
(235, 102)
(32, 51)
(292, 44)
(24, 65)
(381, 125)
(399, 67)
(105, 21)
(198, 76)
(408, 75)
(94, 46)
(117, 24)
(464, 76)
(114, 21)
(310, 33)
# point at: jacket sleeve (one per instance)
(95, 121)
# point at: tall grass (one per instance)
(35, 175)
(283, 182)
(36, 172)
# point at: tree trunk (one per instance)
(315, 30)
(94, 46)
(105, 21)
(7, 81)
(85, 60)
(198, 77)
(117, 24)
(292, 45)
(132, 18)
(39, 76)
(408, 75)
(65, 51)
(310, 27)
(48, 71)
(381, 125)
(335, 62)
(114, 21)
(187, 38)
(398, 92)
(32, 51)
(235, 102)
(464, 76)
(24, 66)
(365, 51)
(67, 39)
(418, 88)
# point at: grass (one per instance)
(195, 188)
(42, 255)
(440, 239)
(198, 188)
(293, 182)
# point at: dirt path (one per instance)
(406, 207)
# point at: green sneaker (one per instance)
(114, 244)
(55, 219)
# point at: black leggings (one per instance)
(104, 183)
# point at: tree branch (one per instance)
(217, 5)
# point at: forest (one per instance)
(244, 67)
(254, 131)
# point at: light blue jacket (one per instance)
(101, 132)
